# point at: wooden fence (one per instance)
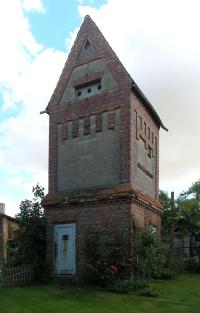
(16, 276)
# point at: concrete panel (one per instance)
(144, 169)
(85, 70)
(89, 161)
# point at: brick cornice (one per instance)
(124, 193)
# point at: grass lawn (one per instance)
(181, 295)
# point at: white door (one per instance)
(65, 235)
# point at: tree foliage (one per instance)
(150, 254)
(28, 243)
(182, 215)
(170, 216)
(189, 206)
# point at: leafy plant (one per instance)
(2, 266)
(105, 268)
(127, 286)
(152, 256)
(28, 242)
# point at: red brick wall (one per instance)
(145, 215)
(108, 219)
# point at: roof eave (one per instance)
(148, 105)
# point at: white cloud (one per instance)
(18, 46)
(33, 5)
(157, 41)
(29, 73)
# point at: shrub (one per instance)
(193, 265)
(127, 286)
(151, 255)
(28, 242)
(154, 257)
(2, 265)
(105, 269)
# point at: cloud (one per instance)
(29, 73)
(157, 42)
(32, 5)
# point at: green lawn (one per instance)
(181, 295)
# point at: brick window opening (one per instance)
(87, 45)
(88, 89)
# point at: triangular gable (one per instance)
(89, 44)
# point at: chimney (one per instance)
(2, 208)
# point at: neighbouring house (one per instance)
(7, 225)
(103, 156)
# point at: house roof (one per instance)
(8, 217)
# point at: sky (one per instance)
(158, 43)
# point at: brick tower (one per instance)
(103, 154)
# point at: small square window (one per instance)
(65, 237)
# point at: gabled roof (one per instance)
(89, 30)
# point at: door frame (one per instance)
(62, 224)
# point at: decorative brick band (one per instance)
(144, 132)
(106, 121)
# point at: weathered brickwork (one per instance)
(103, 139)
(107, 219)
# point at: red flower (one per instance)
(113, 269)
